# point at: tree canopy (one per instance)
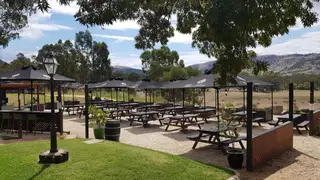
(224, 29)
(221, 29)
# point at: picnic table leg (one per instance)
(298, 130)
(168, 124)
(241, 144)
(196, 141)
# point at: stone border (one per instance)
(236, 175)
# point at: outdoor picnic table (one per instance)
(205, 113)
(119, 112)
(183, 121)
(69, 106)
(170, 110)
(214, 135)
(284, 118)
(242, 116)
(144, 117)
(149, 107)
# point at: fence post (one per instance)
(249, 163)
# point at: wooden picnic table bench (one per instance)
(213, 136)
(145, 117)
(183, 121)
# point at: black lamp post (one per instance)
(54, 155)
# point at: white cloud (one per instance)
(118, 38)
(123, 25)
(55, 7)
(128, 62)
(181, 38)
(134, 55)
(194, 57)
(307, 43)
(36, 27)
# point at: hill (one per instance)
(285, 64)
(126, 70)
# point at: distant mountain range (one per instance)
(285, 65)
(126, 70)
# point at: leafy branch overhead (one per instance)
(221, 29)
(224, 29)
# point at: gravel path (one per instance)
(300, 163)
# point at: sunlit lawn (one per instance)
(106, 160)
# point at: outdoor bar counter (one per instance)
(43, 121)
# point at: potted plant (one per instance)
(235, 156)
(99, 117)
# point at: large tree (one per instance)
(223, 29)
(157, 61)
(101, 69)
(84, 44)
(65, 54)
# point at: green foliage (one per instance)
(221, 29)
(98, 116)
(101, 68)
(17, 63)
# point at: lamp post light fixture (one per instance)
(54, 155)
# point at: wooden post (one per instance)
(249, 128)
(31, 108)
(271, 103)
(312, 125)
(86, 110)
(291, 102)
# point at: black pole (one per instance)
(117, 98)
(271, 103)
(193, 97)
(31, 108)
(24, 97)
(244, 98)
(128, 95)
(63, 95)
(312, 127)
(111, 95)
(44, 95)
(215, 98)
(73, 100)
(86, 109)
(100, 93)
(145, 100)
(123, 99)
(183, 101)
(291, 95)
(218, 107)
(249, 127)
(60, 109)
(54, 147)
(204, 98)
(153, 96)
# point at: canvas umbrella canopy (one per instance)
(31, 73)
(73, 87)
(114, 83)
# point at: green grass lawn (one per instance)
(7, 137)
(106, 160)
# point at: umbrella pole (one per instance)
(150, 96)
(271, 103)
(123, 99)
(31, 108)
(183, 101)
(73, 100)
(218, 108)
(145, 99)
(100, 93)
(128, 94)
(38, 98)
(63, 95)
(111, 94)
(204, 98)
(193, 97)
(244, 98)
(153, 96)
(215, 98)
(117, 93)
(44, 95)
(24, 97)
(19, 103)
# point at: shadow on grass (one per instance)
(44, 167)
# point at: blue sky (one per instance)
(59, 23)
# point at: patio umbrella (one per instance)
(115, 83)
(31, 73)
(73, 87)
